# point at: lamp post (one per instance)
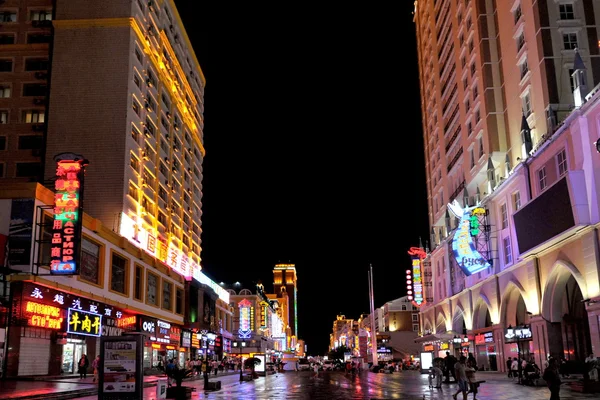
(240, 345)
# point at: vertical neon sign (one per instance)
(245, 330)
(418, 293)
(68, 214)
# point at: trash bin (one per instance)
(161, 388)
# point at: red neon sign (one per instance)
(66, 229)
(43, 316)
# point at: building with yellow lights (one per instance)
(127, 93)
(285, 288)
(509, 100)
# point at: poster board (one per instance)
(121, 371)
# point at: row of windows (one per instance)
(148, 287)
(23, 169)
(27, 116)
(30, 38)
(25, 142)
(7, 16)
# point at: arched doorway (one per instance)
(459, 328)
(514, 315)
(564, 309)
(485, 348)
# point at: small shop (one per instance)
(50, 330)
(485, 351)
(518, 342)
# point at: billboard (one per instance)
(464, 249)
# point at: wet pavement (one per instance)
(28, 389)
(406, 385)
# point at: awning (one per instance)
(434, 337)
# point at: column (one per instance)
(499, 344)
(547, 339)
(593, 310)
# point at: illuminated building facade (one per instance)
(511, 177)
(285, 281)
(24, 66)
(343, 333)
(257, 321)
(400, 315)
(57, 318)
(127, 91)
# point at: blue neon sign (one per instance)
(465, 252)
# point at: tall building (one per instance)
(127, 93)
(24, 63)
(505, 111)
(284, 280)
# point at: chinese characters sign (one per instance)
(414, 277)
(245, 330)
(84, 323)
(66, 228)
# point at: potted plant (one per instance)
(178, 391)
(251, 363)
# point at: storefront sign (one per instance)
(444, 346)
(147, 325)
(482, 338)
(186, 338)
(175, 336)
(245, 331)
(84, 323)
(263, 314)
(428, 347)
(222, 293)
(66, 229)
(43, 316)
(163, 332)
(512, 335)
(196, 340)
(465, 252)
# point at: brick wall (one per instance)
(88, 110)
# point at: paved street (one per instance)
(337, 386)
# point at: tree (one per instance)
(338, 353)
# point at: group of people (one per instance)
(83, 365)
(462, 371)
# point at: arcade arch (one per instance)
(481, 316)
(564, 308)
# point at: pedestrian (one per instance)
(82, 366)
(315, 370)
(552, 379)
(460, 374)
(471, 376)
(95, 366)
(509, 367)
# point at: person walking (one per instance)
(82, 366)
(95, 366)
(460, 374)
(552, 378)
(509, 367)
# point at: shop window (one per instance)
(90, 262)
(179, 301)
(167, 291)
(118, 274)
(139, 283)
(152, 289)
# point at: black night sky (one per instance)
(314, 152)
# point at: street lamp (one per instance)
(240, 345)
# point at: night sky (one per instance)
(314, 153)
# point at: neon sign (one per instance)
(202, 278)
(66, 228)
(463, 247)
(414, 277)
(84, 323)
(43, 316)
(245, 330)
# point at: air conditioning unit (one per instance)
(41, 75)
(39, 101)
(37, 127)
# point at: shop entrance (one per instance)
(72, 352)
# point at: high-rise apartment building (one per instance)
(25, 37)
(511, 195)
(127, 93)
(284, 282)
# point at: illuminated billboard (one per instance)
(245, 330)
(464, 249)
(414, 277)
(68, 214)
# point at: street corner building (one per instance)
(510, 111)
